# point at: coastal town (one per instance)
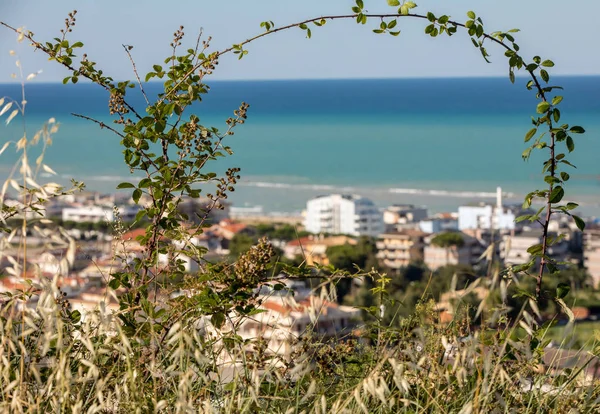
(100, 237)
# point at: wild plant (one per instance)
(173, 343)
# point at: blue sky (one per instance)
(562, 31)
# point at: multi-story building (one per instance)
(397, 250)
(400, 216)
(96, 213)
(484, 216)
(513, 247)
(88, 214)
(313, 249)
(343, 214)
(466, 254)
(439, 222)
(283, 322)
(591, 253)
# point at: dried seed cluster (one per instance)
(252, 265)
(226, 185)
(177, 36)
(69, 23)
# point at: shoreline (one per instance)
(286, 200)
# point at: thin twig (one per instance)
(127, 49)
(102, 124)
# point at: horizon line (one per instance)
(523, 76)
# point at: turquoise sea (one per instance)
(440, 142)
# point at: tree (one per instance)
(239, 244)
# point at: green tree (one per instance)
(239, 244)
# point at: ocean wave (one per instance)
(345, 189)
(107, 178)
(316, 187)
(446, 193)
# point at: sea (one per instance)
(435, 142)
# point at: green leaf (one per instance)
(572, 206)
(556, 100)
(471, 14)
(360, 4)
(543, 107)
(125, 185)
(145, 183)
(535, 249)
(565, 176)
(548, 63)
(75, 316)
(114, 284)
(570, 144)
(579, 222)
(137, 194)
(393, 3)
(577, 130)
(544, 75)
(522, 218)
(218, 319)
(530, 134)
(556, 195)
(551, 180)
(562, 290)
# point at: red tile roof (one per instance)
(234, 227)
(133, 234)
(301, 241)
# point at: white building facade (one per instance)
(343, 214)
(88, 214)
(486, 216)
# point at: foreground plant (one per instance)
(152, 354)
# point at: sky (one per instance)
(562, 31)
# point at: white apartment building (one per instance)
(343, 214)
(513, 247)
(96, 214)
(88, 214)
(591, 254)
(486, 216)
(283, 322)
(468, 254)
